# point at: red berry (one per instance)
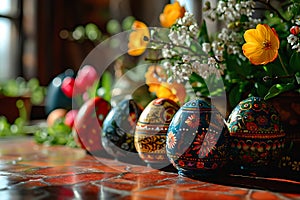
(70, 117)
(68, 86)
(85, 78)
(295, 30)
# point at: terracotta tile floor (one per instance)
(31, 171)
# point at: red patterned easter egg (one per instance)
(88, 125)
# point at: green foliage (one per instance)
(241, 78)
(58, 134)
(92, 32)
(106, 85)
(20, 87)
(7, 129)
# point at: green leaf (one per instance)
(261, 89)
(127, 23)
(278, 89)
(294, 65)
(234, 96)
(203, 37)
(106, 83)
(113, 26)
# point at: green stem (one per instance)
(282, 65)
(268, 4)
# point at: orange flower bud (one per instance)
(171, 13)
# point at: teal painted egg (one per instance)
(197, 139)
(256, 136)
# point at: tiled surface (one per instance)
(31, 171)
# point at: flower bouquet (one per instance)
(256, 53)
(252, 56)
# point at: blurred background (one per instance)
(33, 43)
(43, 38)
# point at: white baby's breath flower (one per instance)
(167, 65)
(194, 29)
(238, 7)
(196, 65)
(296, 47)
(186, 58)
(206, 47)
(221, 7)
(230, 49)
(292, 39)
(212, 61)
(174, 37)
(219, 57)
(250, 3)
(236, 50)
(166, 53)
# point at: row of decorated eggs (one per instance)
(192, 138)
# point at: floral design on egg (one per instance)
(171, 140)
(257, 137)
(202, 140)
(193, 121)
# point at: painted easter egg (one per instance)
(256, 136)
(197, 139)
(118, 131)
(55, 97)
(88, 125)
(151, 132)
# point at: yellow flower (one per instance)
(173, 91)
(171, 13)
(138, 39)
(261, 45)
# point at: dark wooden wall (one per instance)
(55, 55)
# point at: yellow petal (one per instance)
(261, 45)
(137, 43)
(171, 13)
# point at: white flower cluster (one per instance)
(184, 54)
(230, 40)
(230, 10)
(183, 34)
(293, 39)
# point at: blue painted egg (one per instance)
(55, 98)
(197, 139)
(256, 135)
(118, 131)
(151, 132)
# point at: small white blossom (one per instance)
(236, 49)
(297, 21)
(292, 39)
(194, 29)
(167, 65)
(196, 65)
(186, 58)
(296, 47)
(166, 53)
(206, 47)
(230, 49)
(212, 61)
(221, 7)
